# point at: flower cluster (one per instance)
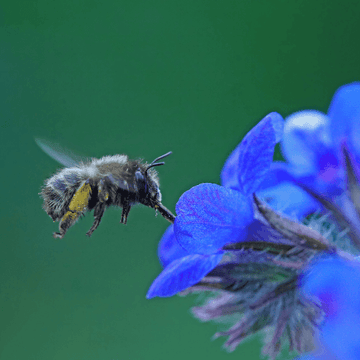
(244, 242)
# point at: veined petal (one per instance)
(255, 156)
(183, 273)
(229, 174)
(306, 133)
(247, 165)
(277, 123)
(169, 249)
(344, 112)
(210, 216)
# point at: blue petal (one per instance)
(169, 249)
(290, 199)
(183, 273)
(229, 173)
(342, 336)
(312, 357)
(282, 193)
(335, 283)
(336, 277)
(248, 164)
(308, 148)
(278, 173)
(306, 134)
(344, 112)
(277, 123)
(210, 216)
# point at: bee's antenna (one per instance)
(161, 157)
(154, 163)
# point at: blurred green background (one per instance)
(142, 78)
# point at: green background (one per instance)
(142, 78)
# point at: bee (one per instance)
(97, 184)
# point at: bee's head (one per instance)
(148, 184)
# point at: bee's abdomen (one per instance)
(59, 190)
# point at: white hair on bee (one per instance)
(120, 159)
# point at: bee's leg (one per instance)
(98, 213)
(67, 220)
(125, 212)
(103, 197)
(77, 206)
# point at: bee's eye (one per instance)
(141, 181)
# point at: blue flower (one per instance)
(335, 283)
(312, 141)
(210, 216)
(229, 241)
(322, 153)
(182, 269)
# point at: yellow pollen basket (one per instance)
(70, 216)
(78, 203)
(81, 198)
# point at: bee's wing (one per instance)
(61, 155)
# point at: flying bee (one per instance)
(97, 184)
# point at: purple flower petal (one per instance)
(335, 283)
(343, 338)
(279, 172)
(337, 280)
(229, 173)
(282, 193)
(280, 189)
(210, 216)
(183, 273)
(344, 112)
(290, 199)
(247, 165)
(256, 155)
(169, 249)
(315, 357)
(305, 134)
(277, 123)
